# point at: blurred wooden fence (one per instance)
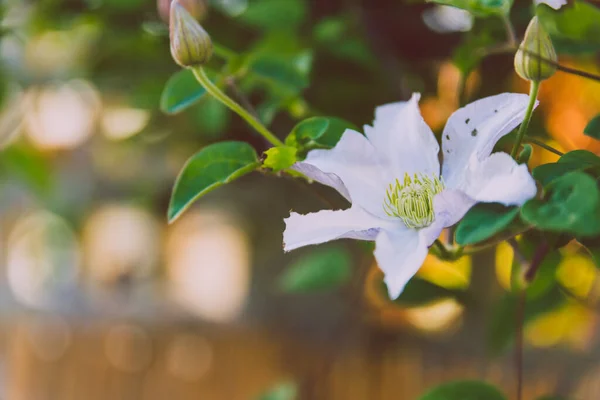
(50, 359)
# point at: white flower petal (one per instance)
(472, 132)
(402, 137)
(499, 179)
(556, 4)
(316, 174)
(400, 254)
(326, 225)
(449, 206)
(445, 19)
(356, 163)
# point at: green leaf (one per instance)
(480, 8)
(572, 205)
(577, 22)
(468, 55)
(484, 221)
(279, 158)
(334, 132)
(211, 117)
(308, 130)
(419, 292)
(284, 73)
(577, 160)
(181, 91)
(324, 268)
(464, 390)
(275, 14)
(593, 128)
(211, 167)
(318, 132)
(283, 391)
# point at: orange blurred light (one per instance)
(208, 265)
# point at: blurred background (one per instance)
(100, 298)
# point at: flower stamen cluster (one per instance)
(411, 200)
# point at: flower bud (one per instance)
(536, 47)
(196, 8)
(190, 44)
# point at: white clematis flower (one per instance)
(392, 178)
(555, 4)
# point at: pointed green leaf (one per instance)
(576, 23)
(211, 167)
(464, 390)
(593, 128)
(572, 205)
(577, 160)
(318, 132)
(484, 221)
(325, 268)
(181, 91)
(310, 129)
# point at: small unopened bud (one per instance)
(534, 52)
(196, 8)
(190, 43)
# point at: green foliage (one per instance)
(571, 204)
(592, 129)
(282, 391)
(290, 75)
(576, 24)
(318, 132)
(181, 91)
(577, 160)
(24, 164)
(481, 8)
(322, 269)
(484, 221)
(211, 167)
(307, 131)
(501, 330)
(419, 292)
(545, 278)
(280, 158)
(338, 36)
(468, 55)
(275, 14)
(211, 117)
(464, 390)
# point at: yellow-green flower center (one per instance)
(411, 200)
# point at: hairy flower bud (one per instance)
(536, 47)
(196, 8)
(190, 43)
